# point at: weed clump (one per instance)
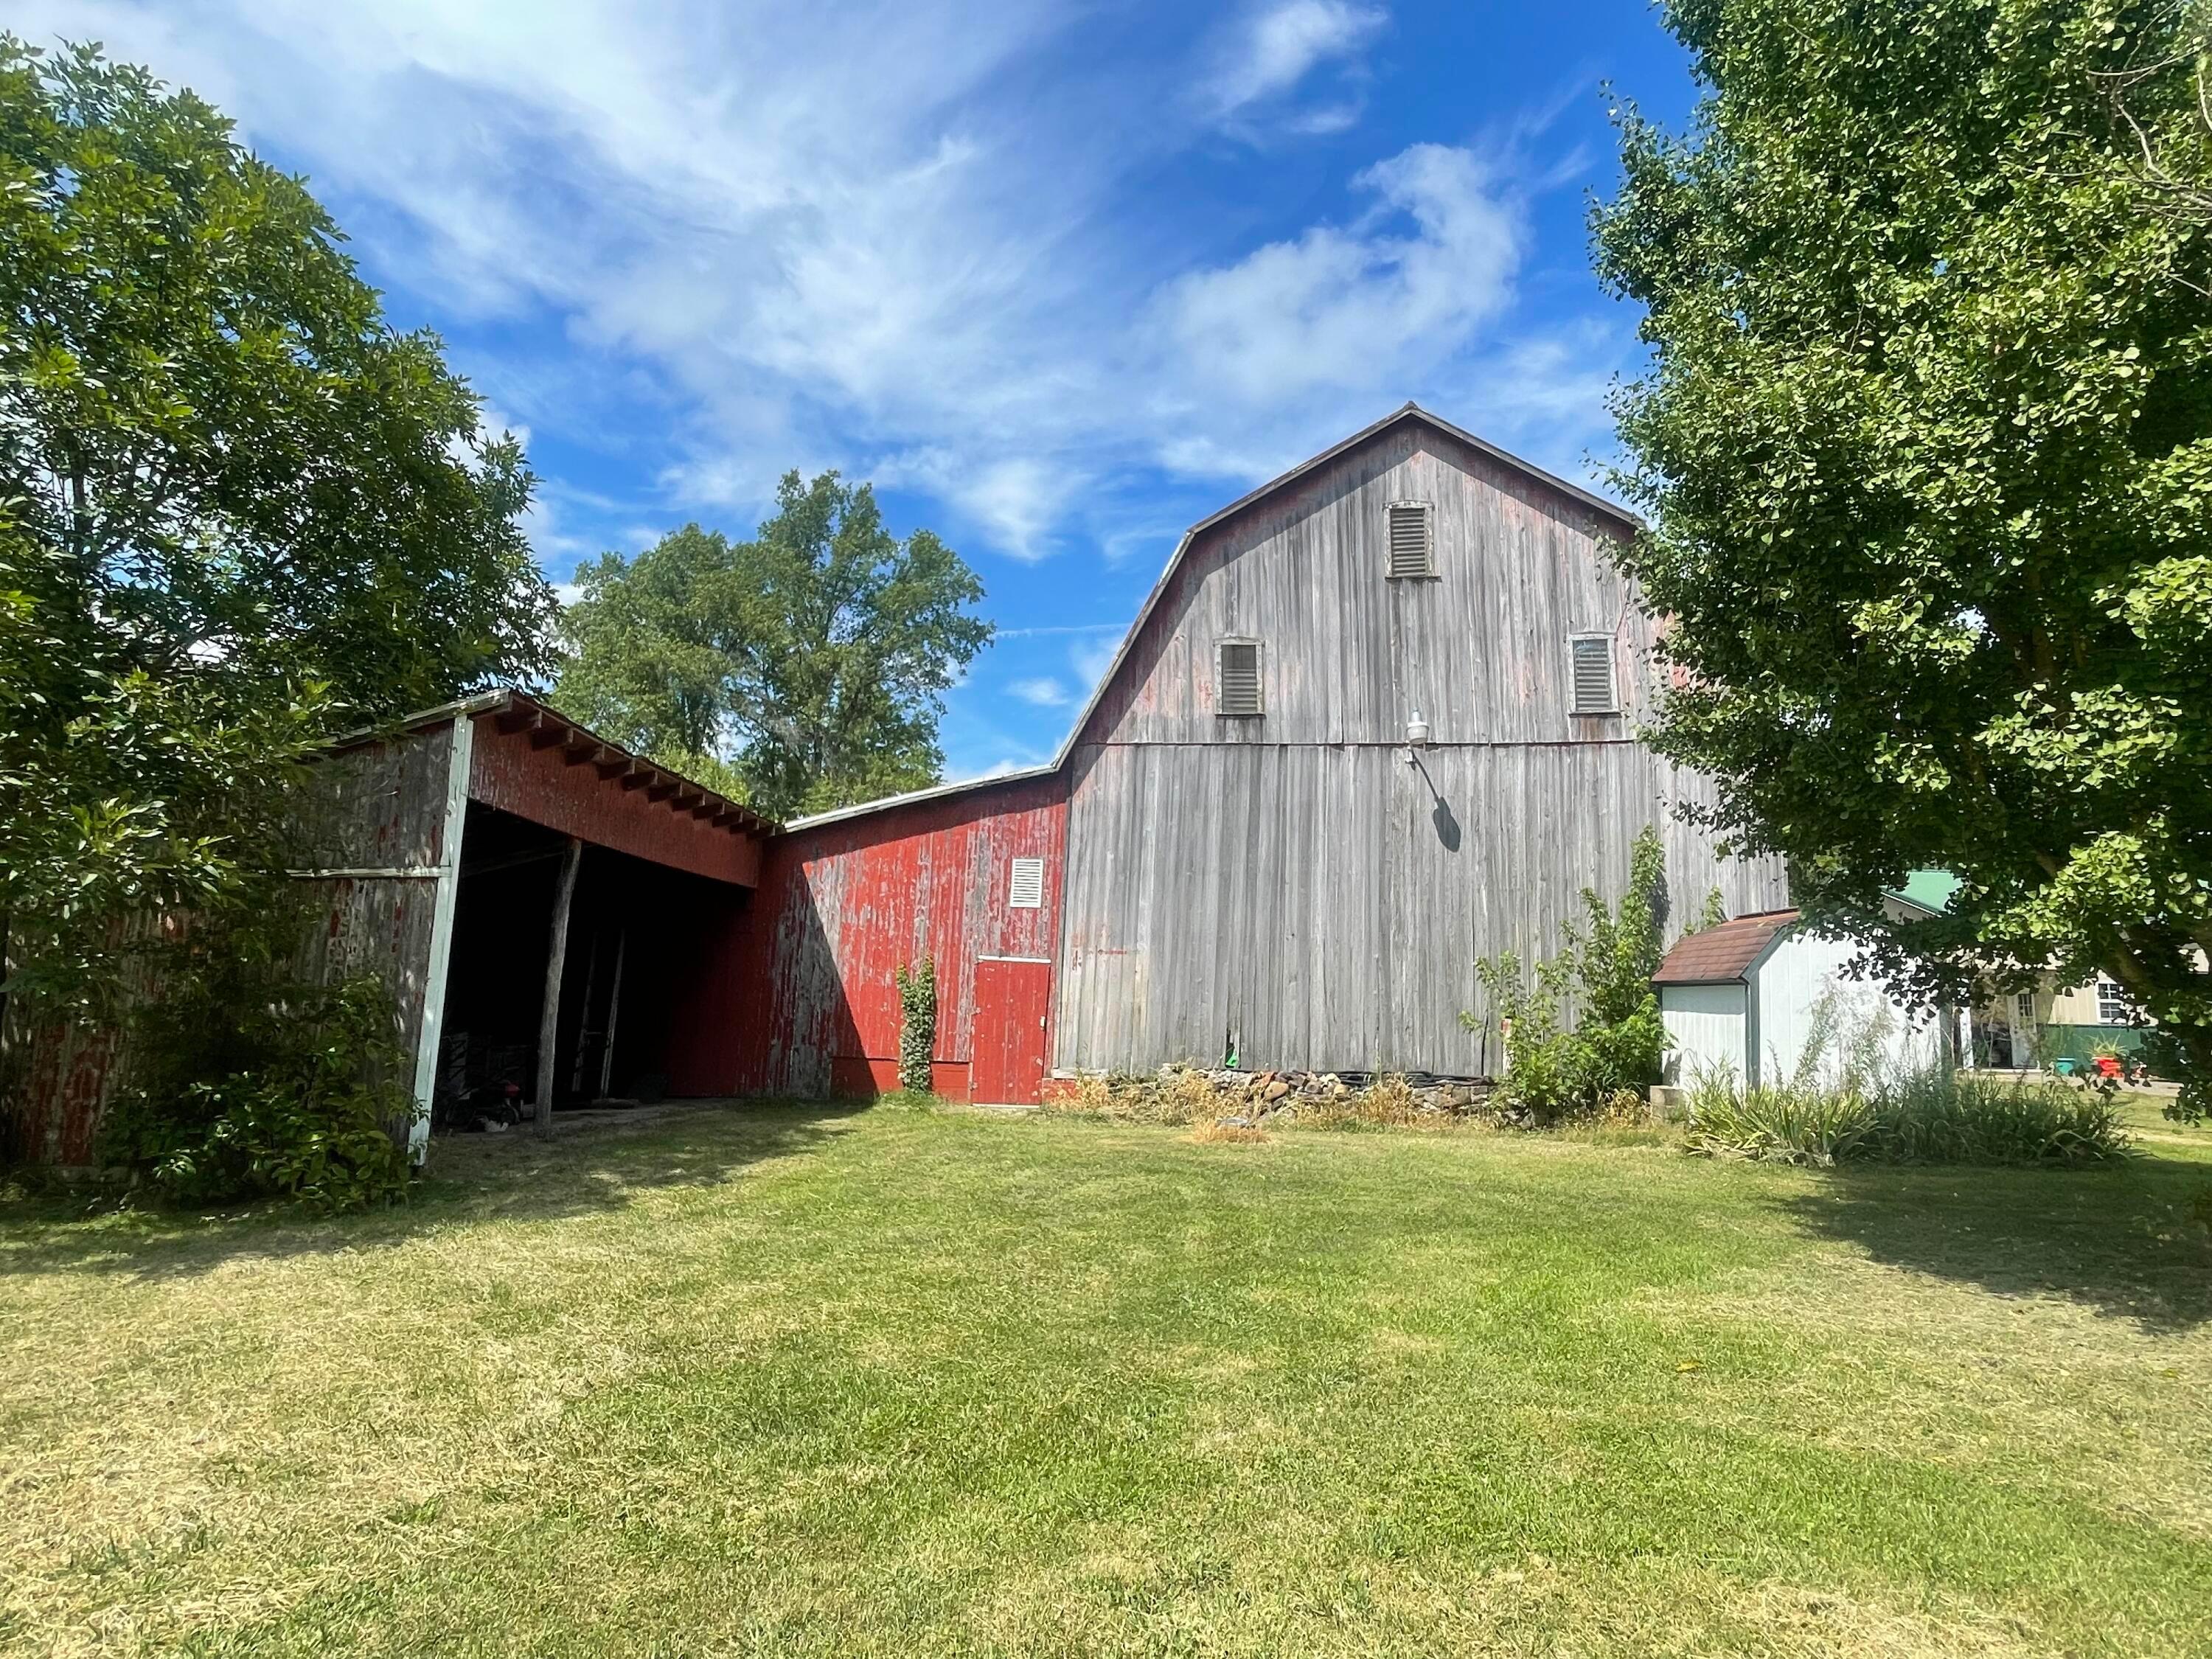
(1926, 1116)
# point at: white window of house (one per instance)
(1236, 685)
(1025, 886)
(2024, 1007)
(2112, 1004)
(1413, 552)
(1594, 691)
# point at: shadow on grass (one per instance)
(596, 1162)
(2131, 1241)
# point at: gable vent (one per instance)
(1411, 551)
(1025, 889)
(1595, 691)
(1237, 688)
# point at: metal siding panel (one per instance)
(1706, 1022)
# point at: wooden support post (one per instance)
(549, 1017)
(614, 1010)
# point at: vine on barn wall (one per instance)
(917, 990)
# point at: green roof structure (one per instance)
(1931, 890)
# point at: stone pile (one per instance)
(1253, 1097)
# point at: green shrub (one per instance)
(1585, 1024)
(917, 1025)
(249, 1086)
(1929, 1115)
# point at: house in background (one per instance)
(1374, 722)
(2029, 1029)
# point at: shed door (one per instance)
(1013, 999)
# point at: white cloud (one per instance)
(1274, 48)
(890, 236)
(1044, 692)
(1091, 658)
(1346, 309)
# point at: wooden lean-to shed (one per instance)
(536, 899)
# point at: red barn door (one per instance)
(1013, 999)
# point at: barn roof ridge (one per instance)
(1407, 411)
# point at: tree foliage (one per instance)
(236, 510)
(1582, 1025)
(803, 669)
(1926, 441)
(253, 1085)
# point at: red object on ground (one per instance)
(2108, 1065)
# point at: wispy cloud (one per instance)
(715, 241)
(1043, 692)
(1269, 52)
(1342, 309)
(1062, 627)
(1090, 659)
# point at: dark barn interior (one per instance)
(633, 931)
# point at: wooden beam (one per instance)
(663, 787)
(549, 1017)
(545, 734)
(614, 766)
(521, 720)
(638, 776)
(581, 748)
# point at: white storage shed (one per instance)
(1749, 996)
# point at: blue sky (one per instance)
(1060, 279)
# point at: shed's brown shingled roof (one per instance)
(1720, 954)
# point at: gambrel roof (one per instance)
(1626, 522)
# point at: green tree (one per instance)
(803, 669)
(1926, 442)
(236, 510)
(1578, 1028)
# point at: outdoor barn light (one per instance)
(1417, 732)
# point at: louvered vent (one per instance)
(1594, 693)
(1026, 890)
(1238, 689)
(1410, 551)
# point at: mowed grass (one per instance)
(916, 1380)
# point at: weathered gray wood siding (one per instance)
(382, 807)
(1291, 883)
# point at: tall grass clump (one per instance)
(1929, 1115)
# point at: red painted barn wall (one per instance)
(539, 784)
(801, 999)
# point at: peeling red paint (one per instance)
(802, 998)
(539, 783)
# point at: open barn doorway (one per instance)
(631, 929)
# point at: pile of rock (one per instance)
(1241, 1098)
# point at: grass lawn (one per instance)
(791, 1380)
